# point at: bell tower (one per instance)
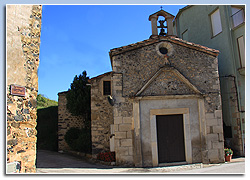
(168, 20)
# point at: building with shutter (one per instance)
(222, 27)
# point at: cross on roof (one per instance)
(161, 7)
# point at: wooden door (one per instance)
(170, 138)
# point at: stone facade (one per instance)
(101, 116)
(23, 43)
(66, 121)
(145, 81)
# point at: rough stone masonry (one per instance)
(23, 43)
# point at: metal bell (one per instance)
(162, 32)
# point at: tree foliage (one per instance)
(78, 104)
(78, 97)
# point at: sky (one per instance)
(75, 38)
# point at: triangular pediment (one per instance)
(167, 81)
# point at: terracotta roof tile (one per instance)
(101, 75)
(172, 39)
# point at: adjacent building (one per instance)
(222, 27)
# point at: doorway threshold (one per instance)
(173, 164)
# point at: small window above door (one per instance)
(106, 87)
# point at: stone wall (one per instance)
(23, 42)
(66, 121)
(101, 115)
(123, 130)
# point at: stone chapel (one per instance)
(161, 102)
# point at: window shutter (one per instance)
(241, 46)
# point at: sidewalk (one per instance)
(56, 163)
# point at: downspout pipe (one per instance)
(237, 96)
(238, 107)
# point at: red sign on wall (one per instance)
(17, 90)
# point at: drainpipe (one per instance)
(236, 89)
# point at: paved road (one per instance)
(50, 159)
(53, 162)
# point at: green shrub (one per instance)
(43, 102)
(78, 139)
(78, 104)
(228, 151)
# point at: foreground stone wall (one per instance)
(66, 121)
(101, 115)
(23, 43)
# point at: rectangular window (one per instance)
(216, 22)
(241, 47)
(238, 16)
(106, 88)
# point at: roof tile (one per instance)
(172, 39)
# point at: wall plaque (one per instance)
(17, 90)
